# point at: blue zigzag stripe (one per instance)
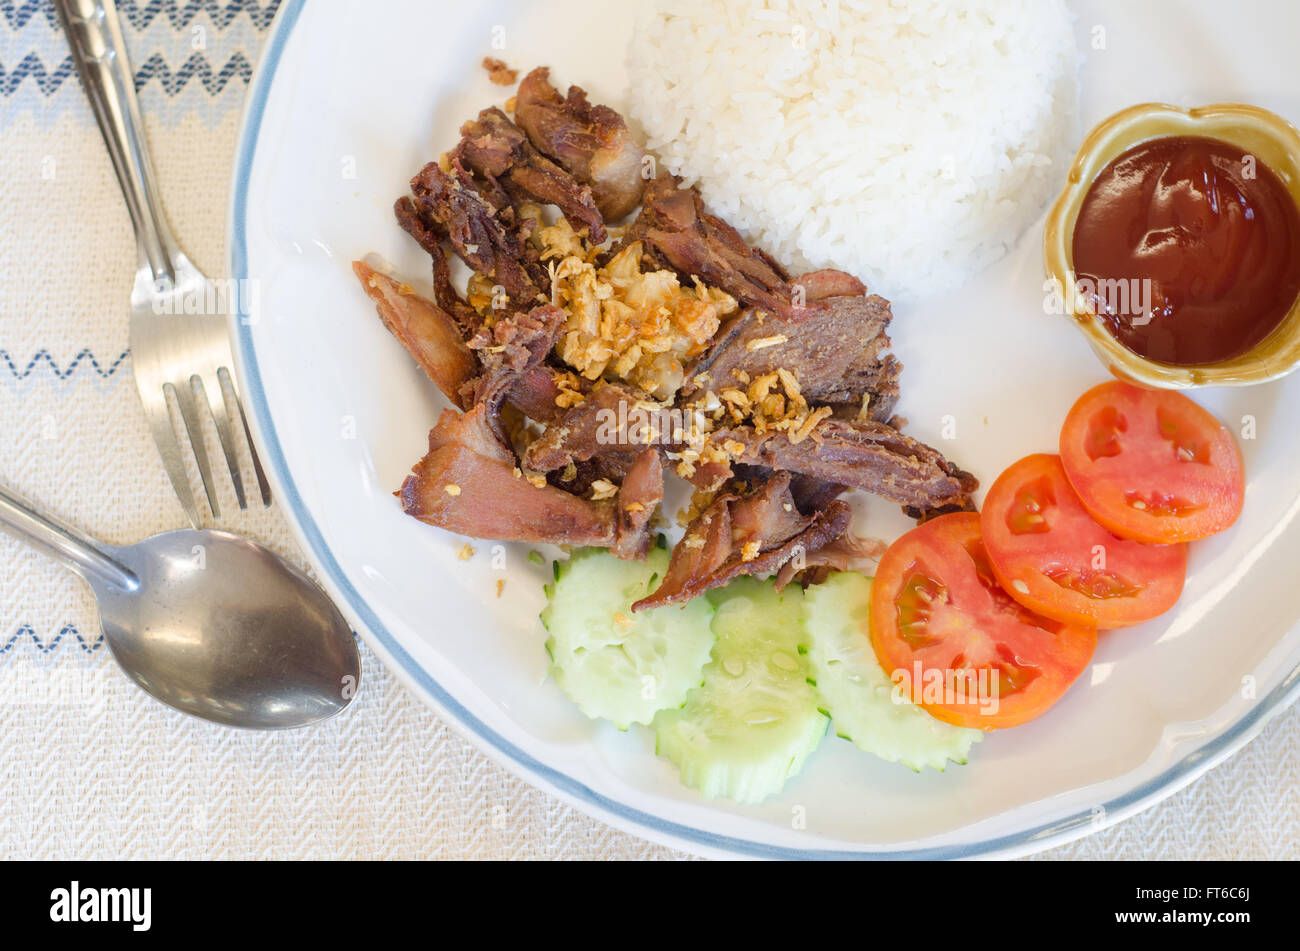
(17, 14)
(47, 82)
(43, 356)
(140, 14)
(196, 65)
(154, 68)
(67, 631)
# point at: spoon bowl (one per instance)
(209, 623)
(226, 630)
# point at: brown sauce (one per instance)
(1189, 250)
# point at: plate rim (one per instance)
(505, 753)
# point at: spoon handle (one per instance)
(60, 541)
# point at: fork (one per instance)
(179, 332)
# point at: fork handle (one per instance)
(99, 52)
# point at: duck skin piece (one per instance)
(821, 285)
(458, 488)
(427, 332)
(494, 147)
(744, 533)
(431, 338)
(846, 553)
(613, 467)
(467, 484)
(591, 142)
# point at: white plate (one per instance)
(353, 98)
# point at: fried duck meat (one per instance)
(599, 426)
(430, 336)
(778, 510)
(470, 482)
(838, 354)
(427, 332)
(863, 455)
(591, 142)
(746, 530)
(678, 233)
(482, 226)
(495, 148)
(458, 487)
(431, 236)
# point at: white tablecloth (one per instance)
(92, 768)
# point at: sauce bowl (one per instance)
(1268, 137)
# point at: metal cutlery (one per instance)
(207, 622)
(179, 331)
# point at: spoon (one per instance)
(207, 622)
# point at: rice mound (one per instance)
(908, 142)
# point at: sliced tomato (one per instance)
(943, 628)
(1151, 465)
(1055, 559)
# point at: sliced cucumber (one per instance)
(856, 691)
(752, 723)
(615, 663)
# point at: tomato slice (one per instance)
(1151, 465)
(1055, 559)
(943, 628)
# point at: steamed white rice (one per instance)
(908, 142)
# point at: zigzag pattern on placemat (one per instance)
(47, 81)
(196, 65)
(67, 632)
(155, 67)
(85, 356)
(17, 13)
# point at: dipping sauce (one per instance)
(1189, 250)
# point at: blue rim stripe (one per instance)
(1042, 836)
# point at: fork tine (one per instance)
(189, 413)
(164, 436)
(263, 487)
(220, 408)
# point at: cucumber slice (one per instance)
(614, 663)
(752, 723)
(856, 691)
